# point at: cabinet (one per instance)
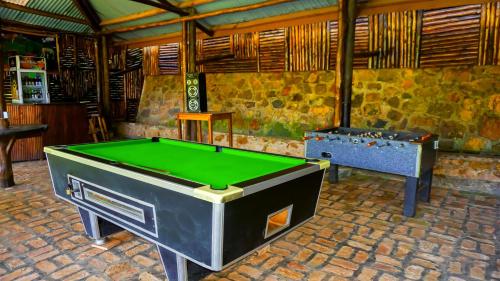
(28, 79)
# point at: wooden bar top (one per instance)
(21, 130)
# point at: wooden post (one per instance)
(348, 63)
(106, 98)
(2, 98)
(184, 49)
(191, 67)
(98, 68)
(344, 63)
(191, 46)
(339, 64)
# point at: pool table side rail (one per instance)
(263, 182)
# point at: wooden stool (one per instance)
(209, 117)
(97, 125)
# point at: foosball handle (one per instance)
(426, 137)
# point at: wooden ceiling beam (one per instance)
(304, 17)
(196, 16)
(208, 31)
(164, 4)
(16, 26)
(132, 17)
(193, 3)
(90, 14)
(38, 12)
(152, 12)
(388, 6)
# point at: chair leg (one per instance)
(92, 129)
(104, 128)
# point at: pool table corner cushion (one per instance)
(197, 229)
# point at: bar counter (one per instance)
(67, 124)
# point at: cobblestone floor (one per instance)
(358, 234)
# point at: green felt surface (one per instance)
(191, 161)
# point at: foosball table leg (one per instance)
(425, 191)
(333, 173)
(410, 202)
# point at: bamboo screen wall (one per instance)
(465, 35)
(456, 36)
(78, 74)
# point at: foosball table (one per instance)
(402, 153)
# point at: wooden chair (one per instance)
(97, 126)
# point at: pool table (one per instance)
(204, 206)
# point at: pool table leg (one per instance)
(97, 228)
(178, 268)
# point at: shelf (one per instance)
(31, 70)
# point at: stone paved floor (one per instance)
(358, 234)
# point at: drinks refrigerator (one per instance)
(28, 79)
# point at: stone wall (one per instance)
(266, 144)
(265, 104)
(462, 105)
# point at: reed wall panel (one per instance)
(226, 45)
(394, 39)
(78, 74)
(450, 36)
(272, 50)
(333, 29)
(150, 60)
(169, 59)
(461, 35)
(308, 47)
(489, 44)
(361, 43)
(132, 83)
